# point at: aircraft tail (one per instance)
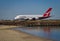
(47, 13)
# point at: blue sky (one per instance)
(11, 8)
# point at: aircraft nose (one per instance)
(16, 17)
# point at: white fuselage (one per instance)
(28, 16)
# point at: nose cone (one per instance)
(17, 17)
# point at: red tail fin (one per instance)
(47, 13)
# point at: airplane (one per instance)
(34, 17)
